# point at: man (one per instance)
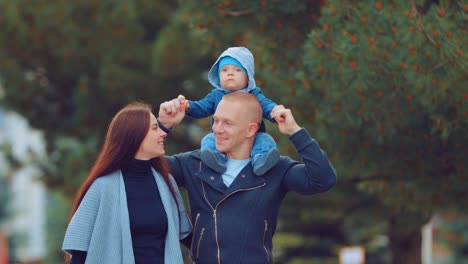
(235, 213)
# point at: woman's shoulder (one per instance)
(106, 180)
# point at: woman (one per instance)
(128, 210)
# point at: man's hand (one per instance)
(286, 122)
(172, 112)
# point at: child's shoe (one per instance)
(213, 160)
(263, 162)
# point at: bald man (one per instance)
(235, 213)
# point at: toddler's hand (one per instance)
(184, 104)
(276, 108)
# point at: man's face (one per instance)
(232, 77)
(230, 127)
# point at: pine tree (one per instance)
(393, 76)
(69, 66)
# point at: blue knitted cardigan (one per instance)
(101, 225)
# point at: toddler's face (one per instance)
(232, 77)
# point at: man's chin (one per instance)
(219, 148)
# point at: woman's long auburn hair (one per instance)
(124, 136)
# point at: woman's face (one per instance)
(152, 145)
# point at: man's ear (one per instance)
(252, 130)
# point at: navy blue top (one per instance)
(148, 219)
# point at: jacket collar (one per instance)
(244, 181)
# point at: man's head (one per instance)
(236, 122)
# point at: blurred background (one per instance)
(382, 85)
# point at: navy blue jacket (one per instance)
(236, 224)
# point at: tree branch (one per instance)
(375, 177)
(236, 13)
(360, 178)
(415, 13)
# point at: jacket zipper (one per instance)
(214, 212)
(264, 246)
(199, 241)
(194, 229)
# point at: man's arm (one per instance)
(172, 112)
(316, 173)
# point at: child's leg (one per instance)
(264, 153)
(210, 155)
(208, 142)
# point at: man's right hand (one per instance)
(285, 119)
(172, 112)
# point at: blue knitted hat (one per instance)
(230, 60)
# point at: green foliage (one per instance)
(69, 66)
(58, 207)
(273, 31)
(82, 60)
(285, 240)
(66, 165)
(7, 164)
(453, 232)
(395, 93)
(4, 194)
